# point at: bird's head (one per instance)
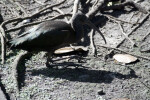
(84, 20)
(80, 17)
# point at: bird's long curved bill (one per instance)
(95, 28)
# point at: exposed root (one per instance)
(19, 70)
(3, 46)
(94, 52)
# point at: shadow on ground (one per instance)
(83, 74)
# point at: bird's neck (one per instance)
(78, 28)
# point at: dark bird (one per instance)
(51, 35)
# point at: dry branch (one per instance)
(126, 36)
(116, 19)
(35, 23)
(134, 29)
(75, 9)
(3, 46)
(94, 52)
(33, 15)
(61, 12)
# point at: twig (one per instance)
(33, 15)
(126, 36)
(3, 46)
(88, 1)
(39, 2)
(95, 9)
(48, 7)
(130, 33)
(75, 8)
(61, 12)
(35, 23)
(147, 34)
(92, 43)
(130, 20)
(95, 4)
(116, 19)
(147, 58)
(3, 49)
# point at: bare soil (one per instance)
(94, 78)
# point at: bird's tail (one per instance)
(11, 44)
(15, 43)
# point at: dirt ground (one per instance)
(95, 78)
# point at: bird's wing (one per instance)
(28, 32)
(45, 35)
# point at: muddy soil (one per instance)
(91, 78)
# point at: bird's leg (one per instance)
(49, 59)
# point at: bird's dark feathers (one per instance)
(45, 36)
(51, 35)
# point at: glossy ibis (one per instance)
(51, 35)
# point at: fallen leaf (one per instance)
(70, 49)
(124, 58)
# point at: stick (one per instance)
(3, 49)
(39, 2)
(35, 23)
(3, 46)
(61, 12)
(147, 58)
(31, 16)
(75, 9)
(126, 36)
(130, 33)
(148, 33)
(92, 43)
(116, 19)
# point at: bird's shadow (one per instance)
(82, 74)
